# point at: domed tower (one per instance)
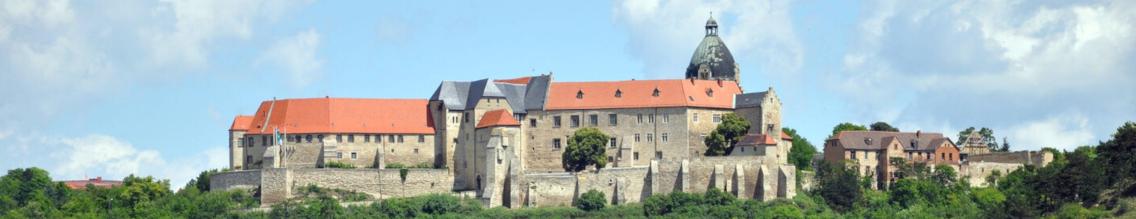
(712, 60)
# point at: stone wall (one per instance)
(976, 172)
(1040, 158)
(238, 179)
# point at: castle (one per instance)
(502, 140)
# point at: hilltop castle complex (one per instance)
(502, 140)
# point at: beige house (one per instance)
(871, 152)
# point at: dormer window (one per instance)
(868, 141)
(579, 94)
(655, 93)
(618, 93)
(710, 92)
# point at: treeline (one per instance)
(1089, 182)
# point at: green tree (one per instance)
(883, 126)
(585, 148)
(801, 154)
(847, 127)
(591, 201)
(838, 185)
(722, 140)
(1118, 155)
(987, 138)
(944, 175)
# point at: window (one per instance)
(610, 159)
(338, 138)
(248, 159)
(532, 123)
(390, 138)
(664, 136)
(635, 155)
(612, 119)
(264, 140)
(556, 121)
(636, 137)
(650, 137)
(612, 140)
(853, 154)
(366, 138)
(717, 118)
(308, 138)
(416, 151)
(351, 138)
(639, 117)
(319, 138)
(618, 93)
(354, 155)
(593, 120)
(943, 156)
(421, 138)
(579, 94)
(339, 155)
(400, 138)
(666, 118)
(710, 92)
(655, 93)
(695, 117)
(465, 117)
(575, 121)
(659, 155)
(556, 143)
(651, 118)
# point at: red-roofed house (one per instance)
(96, 182)
(314, 131)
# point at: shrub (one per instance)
(395, 166)
(591, 201)
(340, 165)
(424, 165)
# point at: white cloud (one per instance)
(1061, 132)
(1011, 66)
(762, 29)
(198, 22)
(297, 56)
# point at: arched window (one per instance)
(579, 94)
(655, 93)
(618, 93)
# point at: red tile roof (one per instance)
(497, 118)
(241, 123)
(756, 139)
(343, 115)
(785, 136)
(520, 80)
(640, 94)
(97, 182)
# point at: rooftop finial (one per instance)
(711, 26)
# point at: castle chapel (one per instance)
(502, 140)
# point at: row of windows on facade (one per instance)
(266, 140)
(926, 156)
(612, 143)
(612, 120)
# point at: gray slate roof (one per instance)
(876, 140)
(536, 92)
(463, 95)
(748, 100)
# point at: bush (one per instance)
(591, 201)
(340, 165)
(424, 165)
(395, 166)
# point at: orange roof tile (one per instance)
(241, 123)
(785, 136)
(343, 115)
(497, 118)
(97, 182)
(520, 80)
(756, 139)
(640, 94)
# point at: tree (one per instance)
(585, 148)
(987, 135)
(847, 127)
(1119, 153)
(883, 126)
(591, 201)
(801, 154)
(838, 185)
(722, 140)
(944, 175)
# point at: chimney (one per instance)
(917, 133)
(719, 82)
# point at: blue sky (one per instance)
(114, 88)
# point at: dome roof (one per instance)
(712, 53)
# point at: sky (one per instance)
(113, 88)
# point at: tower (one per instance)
(711, 59)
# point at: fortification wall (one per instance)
(976, 172)
(1038, 158)
(239, 179)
